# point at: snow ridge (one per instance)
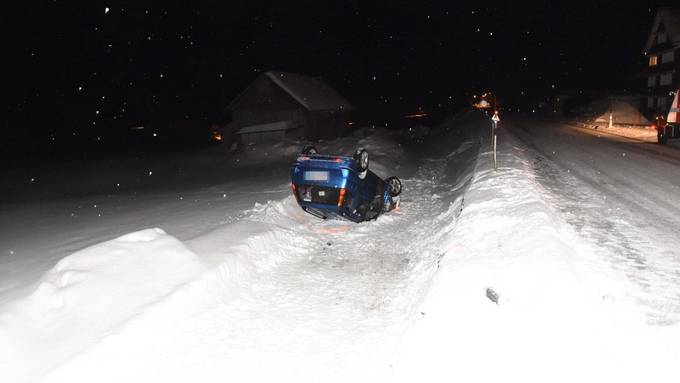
(562, 312)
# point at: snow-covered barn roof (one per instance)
(670, 17)
(313, 93)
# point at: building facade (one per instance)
(280, 104)
(662, 74)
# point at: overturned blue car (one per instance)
(342, 187)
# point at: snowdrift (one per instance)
(111, 293)
(624, 111)
(88, 295)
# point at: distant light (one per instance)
(106, 10)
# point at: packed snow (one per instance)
(481, 275)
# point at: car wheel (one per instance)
(395, 186)
(309, 150)
(361, 157)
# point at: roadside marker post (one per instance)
(496, 119)
(495, 163)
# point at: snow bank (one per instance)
(562, 314)
(87, 296)
(384, 152)
(647, 134)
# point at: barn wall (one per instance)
(276, 135)
(265, 102)
(328, 124)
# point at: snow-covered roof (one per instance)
(311, 92)
(670, 17)
(271, 127)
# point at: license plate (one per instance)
(316, 176)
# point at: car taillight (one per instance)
(338, 159)
(341, 198)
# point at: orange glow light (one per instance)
(341, 199)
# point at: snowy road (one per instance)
(624, 194)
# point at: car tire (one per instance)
(361, 157)
(309, 150)
(394, 184)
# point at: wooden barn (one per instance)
(279, 104)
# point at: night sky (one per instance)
(93, 69)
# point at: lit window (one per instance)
(653, 60)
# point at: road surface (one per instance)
(621, 193)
